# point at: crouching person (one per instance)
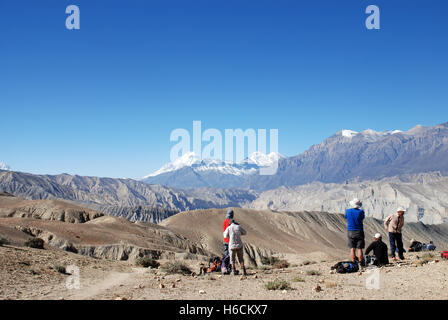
(234, 233)
(379, 249)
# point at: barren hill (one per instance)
(87, 232)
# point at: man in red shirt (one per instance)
(226, 224)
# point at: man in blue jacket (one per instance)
(355, 230)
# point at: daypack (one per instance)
(370, 260)
(214, 266)
(416, 247)
(226, 268)
(345, 267)
(444, 255)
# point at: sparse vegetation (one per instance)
(298, 279)
(278, 284)
(313, 273)
(269, 260)
(264, 267)
(281, 264)
(176, 267)
(36, 243)
(424, 259)
(275, 262)
(147, 262)
(308, 262)
(60, 269)
(3, 241)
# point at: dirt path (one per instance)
(111, 281)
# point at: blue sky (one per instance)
(104, 99)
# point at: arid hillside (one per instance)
(288, 232)
(87, 232)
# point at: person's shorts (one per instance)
(236, 252)
(356, 239)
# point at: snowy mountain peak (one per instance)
(185, 160)
(248, 166)
(348, 133)
(3, 166)
(369, 133)
(263, 160)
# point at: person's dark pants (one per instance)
(396, 242)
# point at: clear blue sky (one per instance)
(104, 99)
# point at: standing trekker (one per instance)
(226, 224)
(393, 225)
(355, 230)
(379, 249)
(234, 232)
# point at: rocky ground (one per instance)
(27, 273)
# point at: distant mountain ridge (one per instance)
(124, 197)
(366, 155)
(346, 155)
(190, 171)
(425, 196)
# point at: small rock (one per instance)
(178, 280)
(317, 288)
(331, 271)
(243, 278)
(161, 286)
(173, 286)
(201, 292)
(255, 277)
(284, 291)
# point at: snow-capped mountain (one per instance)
(346, 155)
(3, 166)
(190, 171)
(349, 155)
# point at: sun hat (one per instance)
(377, 235)
(356, 203)
(401, 209)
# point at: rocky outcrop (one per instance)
(425, 196)
(46, 210)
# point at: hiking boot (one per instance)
(236, 272)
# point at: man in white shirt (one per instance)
(234, 232)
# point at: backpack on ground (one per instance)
(371, 261)
(346, 267)
(226, 268)
(444, 255)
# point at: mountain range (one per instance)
(424, 195)
(384, 169)
(191, 171)
(347, 155)
(132, 199)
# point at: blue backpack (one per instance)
(346, 267)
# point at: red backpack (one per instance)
(444, 254)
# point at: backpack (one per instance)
(226, 268)
(345, 267)
(371, 260)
